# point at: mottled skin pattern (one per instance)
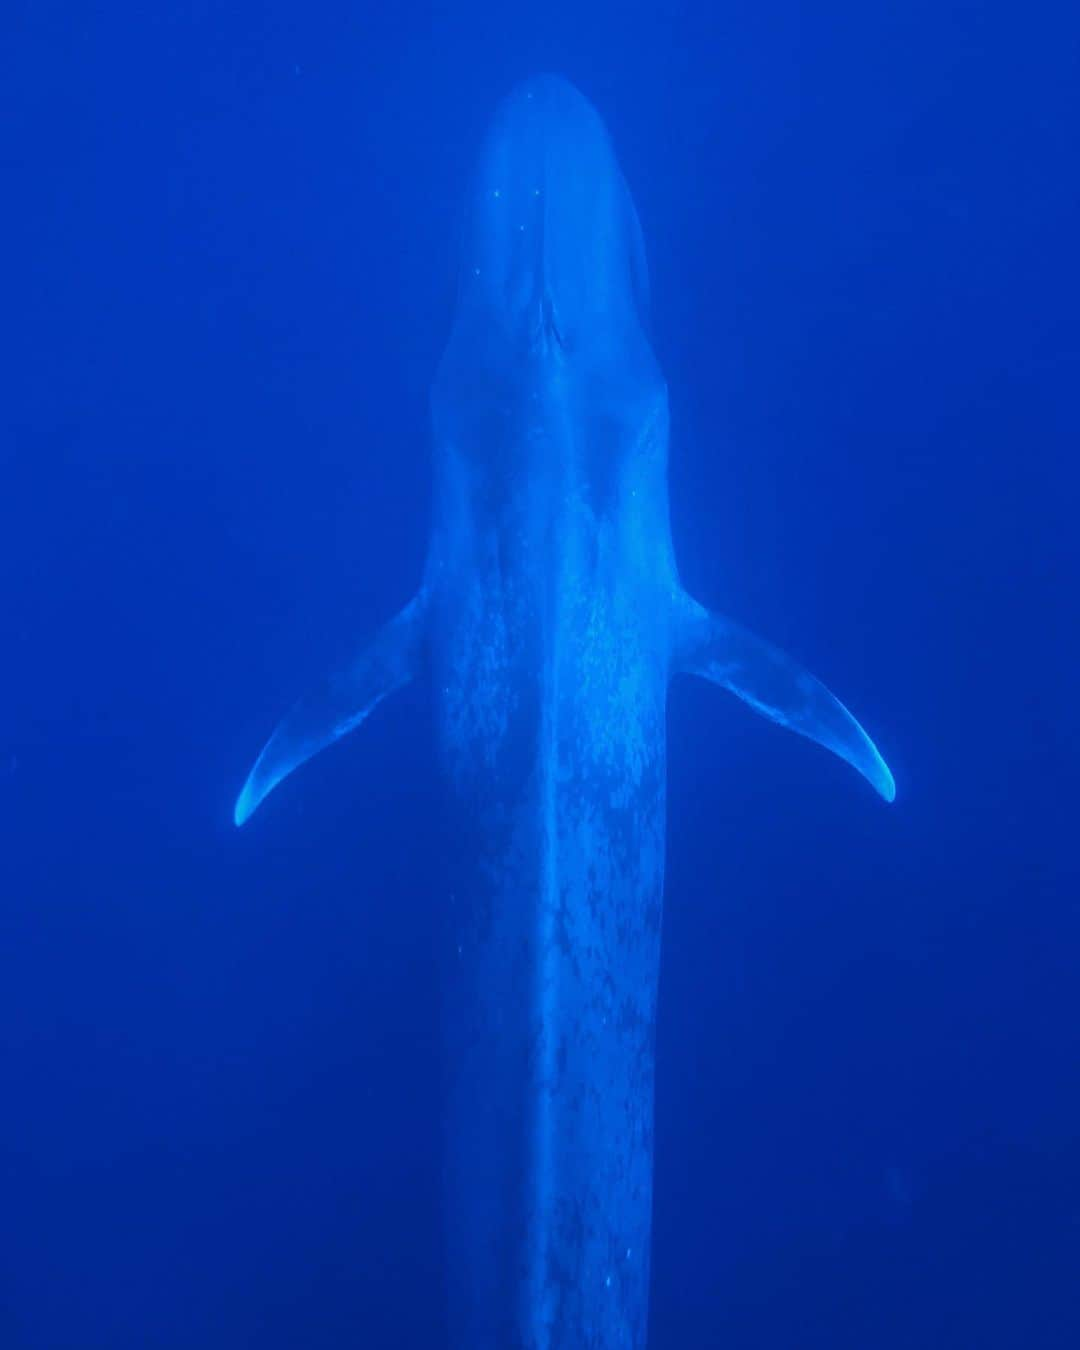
(549, 621)
(550, 680)
(549, 580)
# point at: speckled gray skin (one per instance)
(549, 621)
(550, 567)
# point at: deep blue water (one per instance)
(229, 241)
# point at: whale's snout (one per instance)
(551, 234)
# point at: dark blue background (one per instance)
(228, 273)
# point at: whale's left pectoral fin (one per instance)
(339, 705)
(774, 685)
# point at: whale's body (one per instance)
(550, 620)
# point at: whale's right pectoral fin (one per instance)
(774, 685)
(390, 660)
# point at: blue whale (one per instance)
(549, 622)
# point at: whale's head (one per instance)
(552, 250)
